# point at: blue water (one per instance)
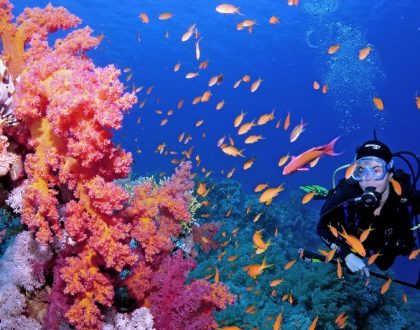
(288, 57)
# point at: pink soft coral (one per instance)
(178, 306)
(158, 212)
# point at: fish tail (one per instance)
(329, 148)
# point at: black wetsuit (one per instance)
(392, 234)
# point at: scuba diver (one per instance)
(376, 200)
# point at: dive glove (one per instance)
(355, 264)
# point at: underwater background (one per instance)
(288, 56)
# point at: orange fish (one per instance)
(181, 137)
(413, 254)
(287, 122)
(165, 16)
(245, 128)
(191, 75)
(201, 190)
(283, 160)
(297, 131)
(333, 49)
(333, 230)
(250, 309)
(228, 9)
(396, 185)
(339, 269)
(232, 258)
(230, 173)
(260, 187)
(378, 103)
(277, 323)
(257, 269)
(264, 119)
(289, 264)
(220, 105)
(237, 83)
(363, 53)
(330, 255)
(364, 235)
(270, 193)
(350, 170)
(297, 163)
(404, 298)
(274, 20)
(313, 324)
(256, 84)
(316, 85)
(196, 100)
(386, 285)
(308, 197)
(238, 120)
(197, 49)
(258, 241)
(199, 123)
(324, 89)
(232, 151)
(203, 65)
(144, 18)
(228, 213)
(180, 104)
(164, 121)
(248, 164)
(246, 78)
(187, 35)
(177, 66)
(253, 139)
(373, 257)
(206, 96)
(354, 243)
(216, 276)
(276, 282)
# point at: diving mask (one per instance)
(370, 167)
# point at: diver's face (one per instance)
(373, 175)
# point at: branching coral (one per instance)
(67, 108)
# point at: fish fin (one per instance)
(303, 169)
(329, 148)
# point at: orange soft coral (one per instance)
(33, 22)
(89, 287)
(70, 107)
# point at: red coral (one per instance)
(139, 282)
(178, 306)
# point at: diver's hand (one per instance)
(355, 264)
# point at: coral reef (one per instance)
(66, 109)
